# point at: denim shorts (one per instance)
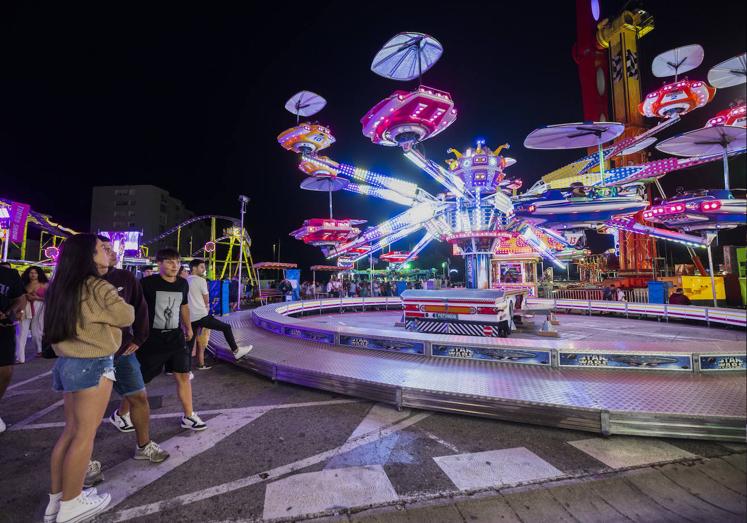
(129, 378)
(75, 374)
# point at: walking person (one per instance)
(83, 322)
(199, 309)
(35, 284)
(12, 301)
(133, 414)
(170, 330)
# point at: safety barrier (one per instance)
(631, 295)
(708, 315)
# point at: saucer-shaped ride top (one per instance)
(324, 183)
(676, 98)
(729, 73)
(735, 116)
(707, 141)
(573, 135)
(677, 61)
(305, 103)
(404, 119)
(407, 56)
(306, 138)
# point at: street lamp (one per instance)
(244, 200)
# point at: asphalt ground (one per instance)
(288, 453)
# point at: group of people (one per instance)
(613, 293)
(107, 330)
(348, 288)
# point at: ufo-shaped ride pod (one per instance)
(306, 138)
(310, 167)
(735, 116)
(396, 257)
(404, 119)
(676, 98)
(704, 210)
(327, 231)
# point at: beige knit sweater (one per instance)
(103, 313)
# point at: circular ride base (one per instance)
(605, 374)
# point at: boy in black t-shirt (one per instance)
(170, 329)
(11, 301)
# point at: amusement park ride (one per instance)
(480, 211)
(221, 252)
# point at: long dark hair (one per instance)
(26, 276)
(74, 266)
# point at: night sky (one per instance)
(191, 98)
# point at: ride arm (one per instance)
(378, 192)
(658, 168)
(438, 173)
(628, 223)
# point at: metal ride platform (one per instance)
(685, 390)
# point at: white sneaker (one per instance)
(53, 507)
(122, 422)
(242, 351)
(2, 425)
(193, 422)
(82, 508)
(152, 452)
(93, 474)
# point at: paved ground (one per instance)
(277, 451)
(572, 327)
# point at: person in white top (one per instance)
(199, 310)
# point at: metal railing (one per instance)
(631, 295)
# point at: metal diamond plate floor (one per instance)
(465, 386)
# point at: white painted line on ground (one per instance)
(240, 410)
(25, 392)
(130, 476)
(24, 382)
(327, 490)
(37, 415)
(621, 452)
(200, 495)
(377, 418)
(446, 444)
(495, 468)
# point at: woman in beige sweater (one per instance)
(83, 321)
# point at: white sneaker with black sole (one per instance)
(53, 507)
(193, 422)
(82, 508)
(240, 352)
(122, 422)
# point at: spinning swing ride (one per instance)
(479, 210)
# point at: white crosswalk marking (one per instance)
(130, 476)
(495, 468)
(377, 452)
(621, 452)
(327, 490)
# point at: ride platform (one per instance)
(608, 375)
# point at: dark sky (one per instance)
(191, 98)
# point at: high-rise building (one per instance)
(145, 208)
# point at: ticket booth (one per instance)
(515, 272)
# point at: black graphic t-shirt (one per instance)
(164, 301)
(11, 287)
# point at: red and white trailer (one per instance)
(468, 312)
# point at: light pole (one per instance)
(244, 200)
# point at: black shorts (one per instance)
(164, 349)
(7, 345)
